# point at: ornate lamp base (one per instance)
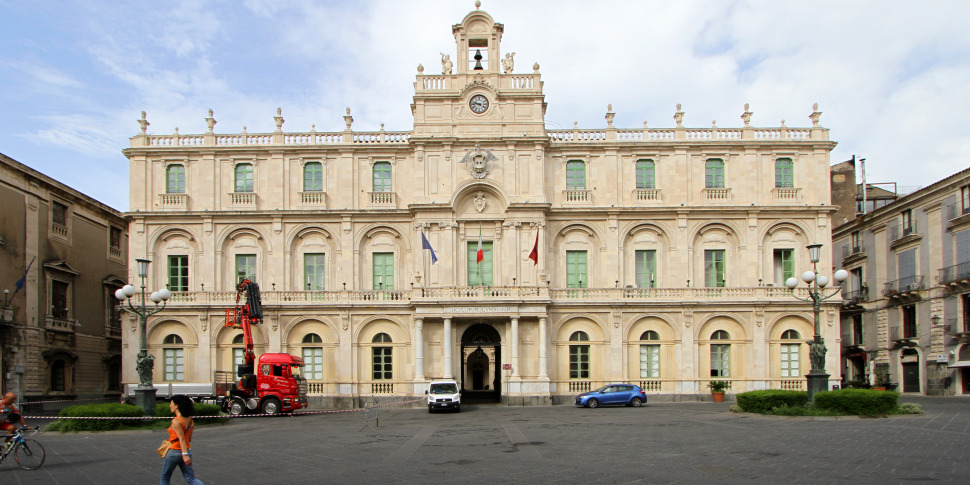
(816, 383)
(145, 399)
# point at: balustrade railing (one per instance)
(313, 198)
(172, 201)
(644, 195)
(903, 285)
(952, 274)
(786, 193)
(242, 198)
(381, 198)
(576, 195)
(717, 194)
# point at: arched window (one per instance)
(579, 356)
(790, 355)
(312, 357)
(173, 363)
(649, 356)
(382, 358)
(720, 355)
(57, 375)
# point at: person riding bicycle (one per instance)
(10, 415)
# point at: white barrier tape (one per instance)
(27, 403)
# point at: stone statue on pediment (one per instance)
(508, 63)
(446, 64)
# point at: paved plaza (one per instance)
(658, 443)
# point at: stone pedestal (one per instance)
(145, 399)
(816, 383)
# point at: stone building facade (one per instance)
(565, 259)
(62, 256)
(907, 302)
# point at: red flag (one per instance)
(534, 255)
(481, 252)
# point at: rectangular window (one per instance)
(313, 363)
(714, 268)
(907, 267)
(114, 238)
(579, 361)
(173, 364)
(907, 216)
(720, 360)
(965, 199)
(313, 271)
(649, 361)
(646, 268)
(244, 178)
(238, 358)
(313, 177)
(383, 271)
(175, 179)
(382, 177)
(963, 250)
(382, 364)
(857, 330)
(480, 274)
(577, 274)
(575, 175)
(856, 244)
(178, 273)
(784, 170)
(790, 360)
(245, 267)
(645, 174)
(59, 214)
(909, 321)
(784, 265)
(114, 312)
(714, 174)
(855, 281)
(60, 300)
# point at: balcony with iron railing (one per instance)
(901, 235)
(955, 210)
(904, 334)
(958, 273)
(854, 297)
(903, 286)
(852, 339)
(853, 252)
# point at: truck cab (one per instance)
(443, 394)
(276, 385)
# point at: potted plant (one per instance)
(717, 389)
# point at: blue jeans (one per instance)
(174, 459)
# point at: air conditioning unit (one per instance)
(912, 287)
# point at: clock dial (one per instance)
(478, 103)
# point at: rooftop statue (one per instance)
(446, 64)
(508, 63)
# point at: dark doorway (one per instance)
(481, 364)
(910, 361)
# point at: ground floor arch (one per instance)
(481, 363)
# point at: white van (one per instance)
(443, 394)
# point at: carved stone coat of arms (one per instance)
(478, 161)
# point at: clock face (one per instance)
(478, 103)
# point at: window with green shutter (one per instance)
(382, 358)
(178, 273)
(720, 355)
(714, 173)
(579, 356)
(577, 274)
(575, 175)
(480, 274)
(313, 177)
(784, 265)
(784, 173)
(714, 268)
(313, 271)
(175, 179)
(244, 177)
(245, 267)
(383, 271)
(646, 268)
(382, 177)
(790, 355)
(645, 174)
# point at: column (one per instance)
(515, 347)
(543, 369)
(418, 349)
(446, 343)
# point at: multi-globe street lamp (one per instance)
(817, 378)
(145, 392)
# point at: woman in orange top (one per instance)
(180, 434)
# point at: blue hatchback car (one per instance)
(625, 394)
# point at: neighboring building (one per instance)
(60, 333)
(907, 301)
(662, 253)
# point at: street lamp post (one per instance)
(145, 392)
(817, 378)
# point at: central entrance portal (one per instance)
(481, 364)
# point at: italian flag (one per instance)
(481, 253)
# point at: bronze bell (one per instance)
(478, 60)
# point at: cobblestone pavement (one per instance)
(658, 443)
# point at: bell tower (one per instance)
(479, 39)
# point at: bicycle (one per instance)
(29, 454)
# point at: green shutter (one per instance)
(313, 177)
(175, 181)
(713, 268)
(480, 274)
(244, 177)
(382, 177)
(784, 173)
(383, 271)
(313, 271)
(714, 174)
(645, 174)
(245, 267)
(646, 268)
(575, 175)
(178, 273)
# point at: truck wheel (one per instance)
(237, 408)
(271, 406)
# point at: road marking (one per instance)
(401, 454)
(527, 449)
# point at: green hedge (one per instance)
(201, 410)
(112, 410)
(866, 402)
(764, 401)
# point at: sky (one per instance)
(891, 77)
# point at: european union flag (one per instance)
(425, 244)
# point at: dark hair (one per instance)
(13, 418)
(185, 405)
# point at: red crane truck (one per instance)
(273, 386)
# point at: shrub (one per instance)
(910, 408)
(866, 402)
(111, 410)
(764, 401)
(719, 386)
(202, 410)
